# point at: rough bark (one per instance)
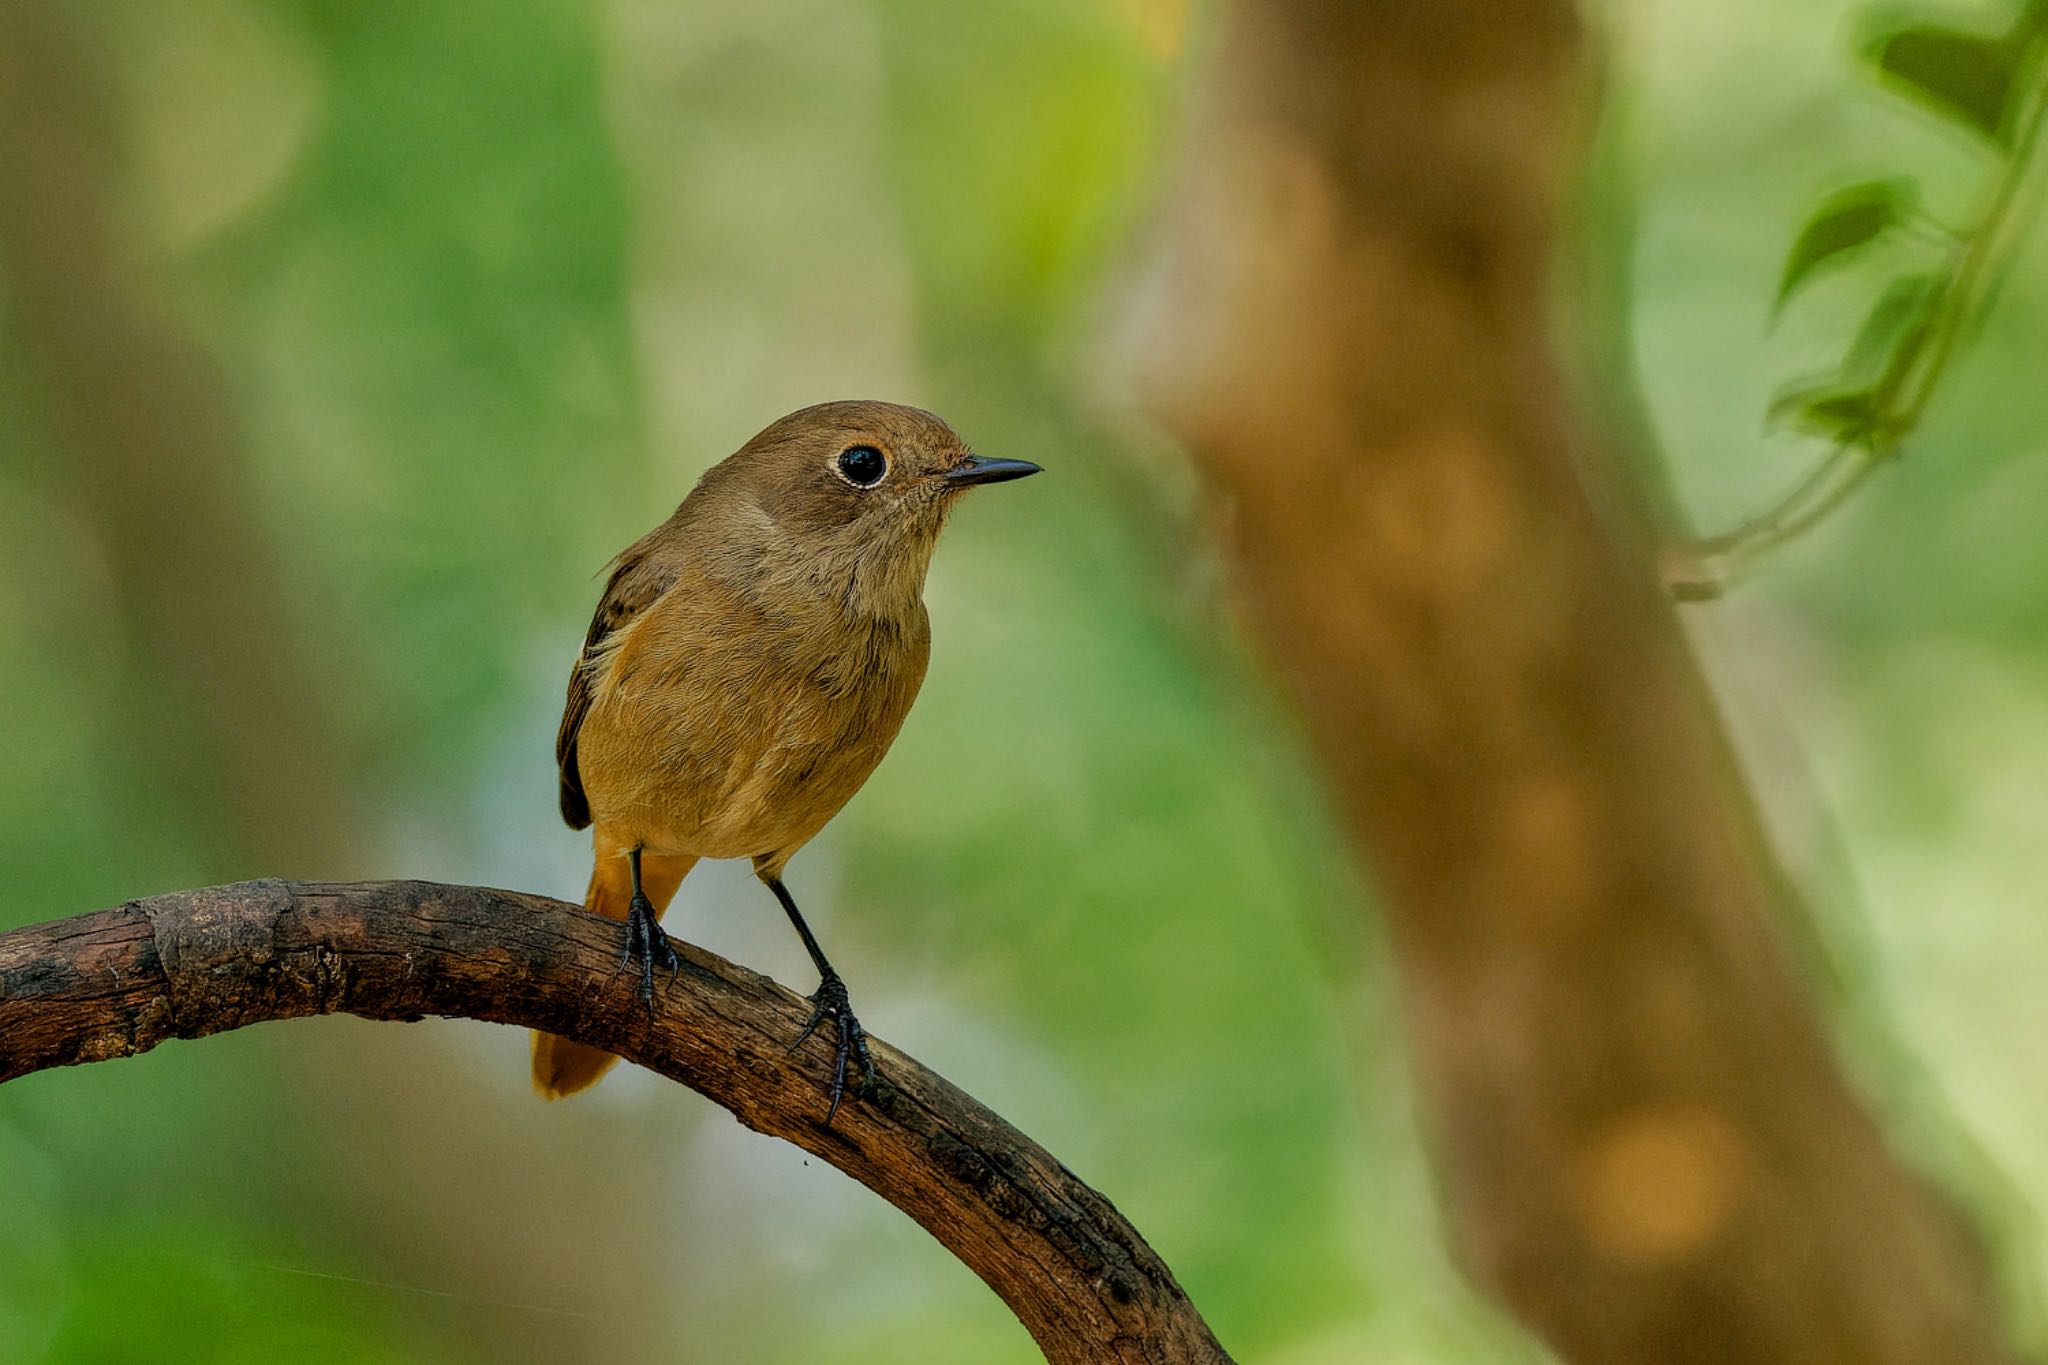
(1647, 1148)
(193, 963)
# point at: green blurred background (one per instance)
(340, 345)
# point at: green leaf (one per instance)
(1826, 407)
(2031, 25)
(1899, 319)
(1851, 416)
(1961, 76)
(1844, 224)
(1794, 395)
(1821, 406)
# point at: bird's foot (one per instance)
(829, 1001)
(646, 942)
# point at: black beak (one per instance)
(978, 470)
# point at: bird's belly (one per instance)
(732, 782)
(777, 805)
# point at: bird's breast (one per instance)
(742, 736)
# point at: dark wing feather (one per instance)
(639, 577)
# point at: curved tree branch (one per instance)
(192, 963)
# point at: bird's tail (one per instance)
(561, 1067)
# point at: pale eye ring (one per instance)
(862, 466)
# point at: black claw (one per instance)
(636, 937)
(646, 941)
(830, 1001)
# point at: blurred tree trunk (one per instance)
(224, 709)
(1648, 1151)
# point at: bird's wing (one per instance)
(640, 576)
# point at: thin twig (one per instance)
(1700, 570)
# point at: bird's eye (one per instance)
(862, 466)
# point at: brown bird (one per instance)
(749, 664)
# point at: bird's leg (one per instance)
(828, 1001)
(644, 938)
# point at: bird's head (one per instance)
(855, 491)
